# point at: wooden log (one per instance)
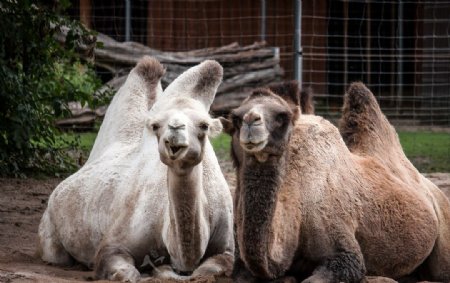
(258, 77)
(113, 85)
(224, 103)
(245, 67)
(83, 122)
(230, 71)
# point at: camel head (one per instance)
(263, 122)
(179, 118)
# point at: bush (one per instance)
(38, 77)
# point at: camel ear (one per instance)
(149, 122)
(306, 100)
(289, 91)
(227, 125)
(215, 128)
(153, 123)
(199, 82)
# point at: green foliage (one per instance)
(38, 77)
(222, 145)
(428, 151)
(86, 140)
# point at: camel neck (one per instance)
(186, 217)
(260, 183)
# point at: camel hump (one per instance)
(210, 74)
(199, 82)
(363, 126)
(149, 69)
(360, 99)
(306, 100)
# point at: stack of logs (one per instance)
(245, 67)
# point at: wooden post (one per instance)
(368, 43)
(85, 13)
(298, 55)
(345, 46)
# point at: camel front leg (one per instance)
(343, 267)
(218, 265)
(114, 262)
(242, 275)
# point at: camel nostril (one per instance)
(252, 118)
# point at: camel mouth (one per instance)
(253, 146)
(175, 151)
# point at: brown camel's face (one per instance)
(262, 124)
(181, 131)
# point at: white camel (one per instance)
(152, 188)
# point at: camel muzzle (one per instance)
(175, 144)
(253, 138)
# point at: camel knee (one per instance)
(437, 265)
(53, 252)
(221, 264)
(115, 263)
(344, 267)
(240, 272)
(50, 248)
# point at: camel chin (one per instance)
(152, 191)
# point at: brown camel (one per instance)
(309, 208)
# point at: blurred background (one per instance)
(399, 49)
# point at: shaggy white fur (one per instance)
(121, 206)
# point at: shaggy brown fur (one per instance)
(289, 90)
(151, 71)
(367, 132)
(312, 209)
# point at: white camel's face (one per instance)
(181, 130)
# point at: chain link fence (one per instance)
(400, 49)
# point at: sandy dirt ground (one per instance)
(22, 202)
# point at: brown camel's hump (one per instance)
(363, 125)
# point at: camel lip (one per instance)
(175, 151)
(255, 124)
(252, 146)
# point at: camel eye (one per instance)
(204, 126)
(155, 127)
(282, 118)
(237, 122)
